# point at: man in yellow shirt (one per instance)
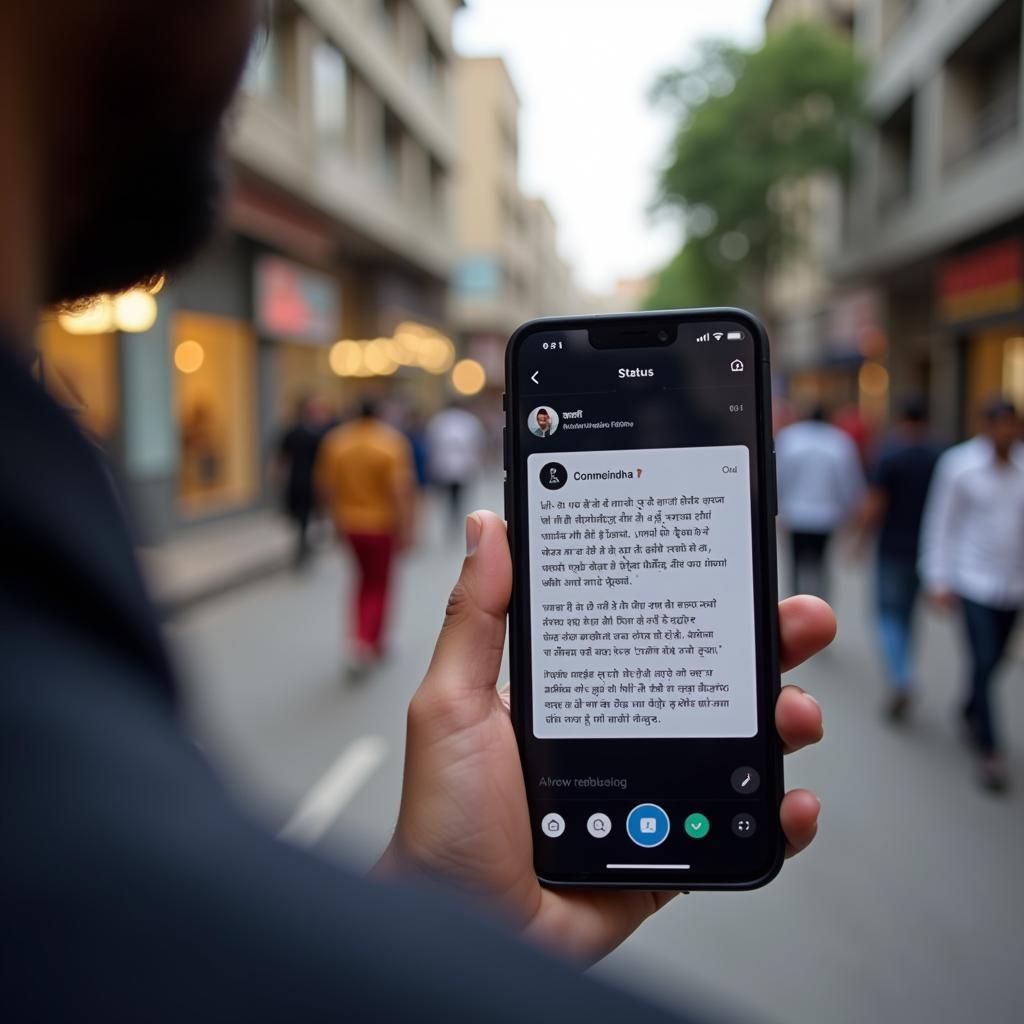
(365, 479)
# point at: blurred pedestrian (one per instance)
(365, 478)
(455, 452)
(820, 484)
(973, 557)
(296, 453)
(892, 510)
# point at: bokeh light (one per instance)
(189, 356)
(468, 377)
(134, 311)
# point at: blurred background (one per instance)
(411, 179)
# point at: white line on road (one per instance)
(331, 794)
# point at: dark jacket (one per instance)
(131, 887)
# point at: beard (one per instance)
(153, 206)
(147, 164)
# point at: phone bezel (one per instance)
(647, 325)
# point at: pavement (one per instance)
(909, 906)
(212, 558)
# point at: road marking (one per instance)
(321, 806)
(651, 867)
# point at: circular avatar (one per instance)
(543, 421)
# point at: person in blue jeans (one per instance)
(894, 508)
(972, 559)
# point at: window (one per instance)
(270, 72)
(80, 371)
(438, 193)
(982, 87)
(330, 96)
(392, 153)
(896, 152)
(215, 386)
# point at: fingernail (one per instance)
(473, 528)
(811, 699)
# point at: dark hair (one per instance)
(998, 409)
(914, 409)
(545, 411)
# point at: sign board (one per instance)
(983, 282)
(294, 303)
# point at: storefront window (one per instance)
(995, 360)
(215, 398)
(80, 371)
(302, 371)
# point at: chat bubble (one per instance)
(642, 596)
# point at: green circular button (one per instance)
(696, 826)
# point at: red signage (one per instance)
(984, 282)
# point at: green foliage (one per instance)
(752, 124)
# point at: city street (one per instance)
(908, 907)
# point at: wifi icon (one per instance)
(719, 335)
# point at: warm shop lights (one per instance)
(132, 311)
(412, 344)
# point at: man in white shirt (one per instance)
(972, 556)
(455, 453)
(820, 485)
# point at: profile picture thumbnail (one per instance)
(543, 421)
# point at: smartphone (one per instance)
(640, 499)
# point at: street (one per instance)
(908, 906)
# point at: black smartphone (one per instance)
(640, 499)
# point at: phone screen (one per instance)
(644, 675)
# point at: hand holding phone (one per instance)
(464, 811)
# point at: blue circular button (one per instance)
(647, 825)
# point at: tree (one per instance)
(752, 124)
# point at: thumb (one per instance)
(467, 657)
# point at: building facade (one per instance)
(339, 226)
(508, 265)
(936, 212)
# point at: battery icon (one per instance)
(734, 336)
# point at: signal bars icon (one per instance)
(704, 337)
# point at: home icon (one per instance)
(737, 365)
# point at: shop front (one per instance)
(981, 305)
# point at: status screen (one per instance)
(643, 686)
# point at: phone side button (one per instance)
(775, 485)
(504, 448)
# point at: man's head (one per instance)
(1002, 426)
(124, 102)
(543, 419)
(914, 412)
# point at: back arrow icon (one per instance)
(533, 376)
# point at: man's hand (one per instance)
(464, 812)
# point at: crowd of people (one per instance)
(948, 523)
(367, 474)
